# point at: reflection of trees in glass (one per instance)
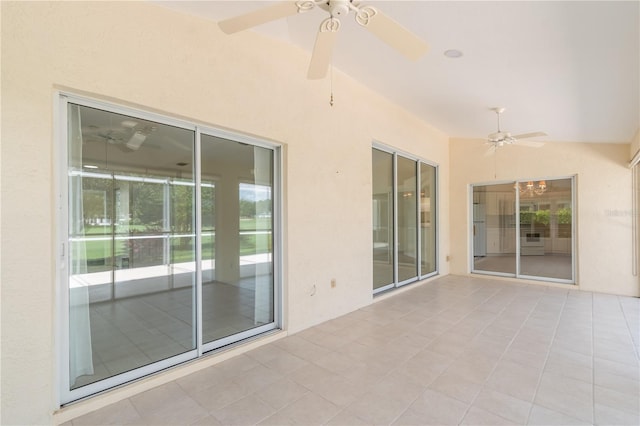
(564, 222)
(208, 195)
(96, 204)
(146, 202)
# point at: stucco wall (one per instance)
(604, 198)
(182, 66)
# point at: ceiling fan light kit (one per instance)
(369, 17)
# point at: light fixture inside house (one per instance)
(453, 53)
(90, 166)
(531, 189)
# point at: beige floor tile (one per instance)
(337, 390)
(566, 395)
(474, 367)
(183, 410)
(456, 386)
(542, 416)
(386, 401)
(478, 416)
(514, 379)
(119, 413)
(485, 349)
(207, 421)
(605, 415)
(618, 400)
(219, 396)
(257, 378)
(610, 380)
(311, 409)
(282, 393)
(503, 405)
(345, 418)
(433, 408)
(246, 411)
(203, 379)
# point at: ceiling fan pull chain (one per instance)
(331, 84)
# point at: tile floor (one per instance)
(457, 350)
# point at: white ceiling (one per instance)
(569, 68)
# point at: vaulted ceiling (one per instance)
(568, 68)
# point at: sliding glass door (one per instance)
(404, 212)
(170, 236)
(237, 243)
(537, 243)
(546, 229)
(383, 229)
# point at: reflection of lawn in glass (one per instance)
(98, 253)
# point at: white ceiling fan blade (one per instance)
(257, 17)
(323, 49)
(530, 135)
(490, 151)
(391, 32)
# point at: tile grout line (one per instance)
(626, 321)
(553, 338)
(483, 386)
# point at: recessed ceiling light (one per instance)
(453, 53)
(129, 124)
(90, 166)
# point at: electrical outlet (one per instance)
(333, 283)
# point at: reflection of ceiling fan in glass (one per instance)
(383, 27)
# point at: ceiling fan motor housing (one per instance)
(339, 8)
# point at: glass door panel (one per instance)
(237, 243)
(407, 204)
(132, 270)
(427, 219)
(494, 228)
(546, 229)
(382, 219)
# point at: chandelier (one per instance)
(531, 189)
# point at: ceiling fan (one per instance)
(129, 136)
(501, 138)
(383, 27)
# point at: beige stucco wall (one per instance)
(604, 198)
(142, 54)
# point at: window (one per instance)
(404, 212)
(171, 236)
(524, 229)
